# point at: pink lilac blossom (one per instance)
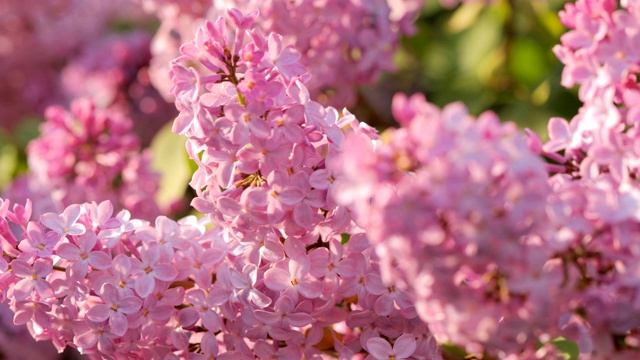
(566, 249)
(256, 155)
(331, 240)
(469, 221)
(269, 281)
(113, 71)
(58, 30)
(104, 312)
(593, 161)
(87, 154)
(453, 205)
(361, 36)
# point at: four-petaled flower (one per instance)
(114, 307)
(149, 268)
(32, 278)
(403, 347)
(83, 254)
(65, 224)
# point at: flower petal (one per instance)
(99, 312)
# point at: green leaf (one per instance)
(528, 61)
(453, 352)
(28, 129)
(170, 159)
(344, 238)
(569, 349)
(480, 41)
(465, 16)
(8, 162)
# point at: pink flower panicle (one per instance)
(361, 36)
(593, 161)
(257, 137)
(92, 150)
(462, 214)
(285, 273)
(331, 240)
(131, 298)
(261, 145)
(449, 202)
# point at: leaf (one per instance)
(344, 238)
(27, 130)
(528, 61)
(170, 159)
(480, 41)
(8, 162)
(465, 16)
(451, 351)
(569, 349)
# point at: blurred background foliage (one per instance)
(494, 56)
(491, 57)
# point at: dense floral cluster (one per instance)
(461, 208)
(115, 287)
(450, 203)
(89, 149)
(596, 168)
(58, 30)
(260, 144)
(321, 237)
(361, 36)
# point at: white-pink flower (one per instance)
(115, 307)
(403, 348)
(65, 224)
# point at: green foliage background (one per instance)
(491, 57)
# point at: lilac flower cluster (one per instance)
(450, 203)
(499, 250)
(261, 144)
(257, 137)
(361, 36)
(58, 30)
(86, 277)
(594, 162)
(115, 287)
(323, 238)
(87, 154)
(285, 273)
